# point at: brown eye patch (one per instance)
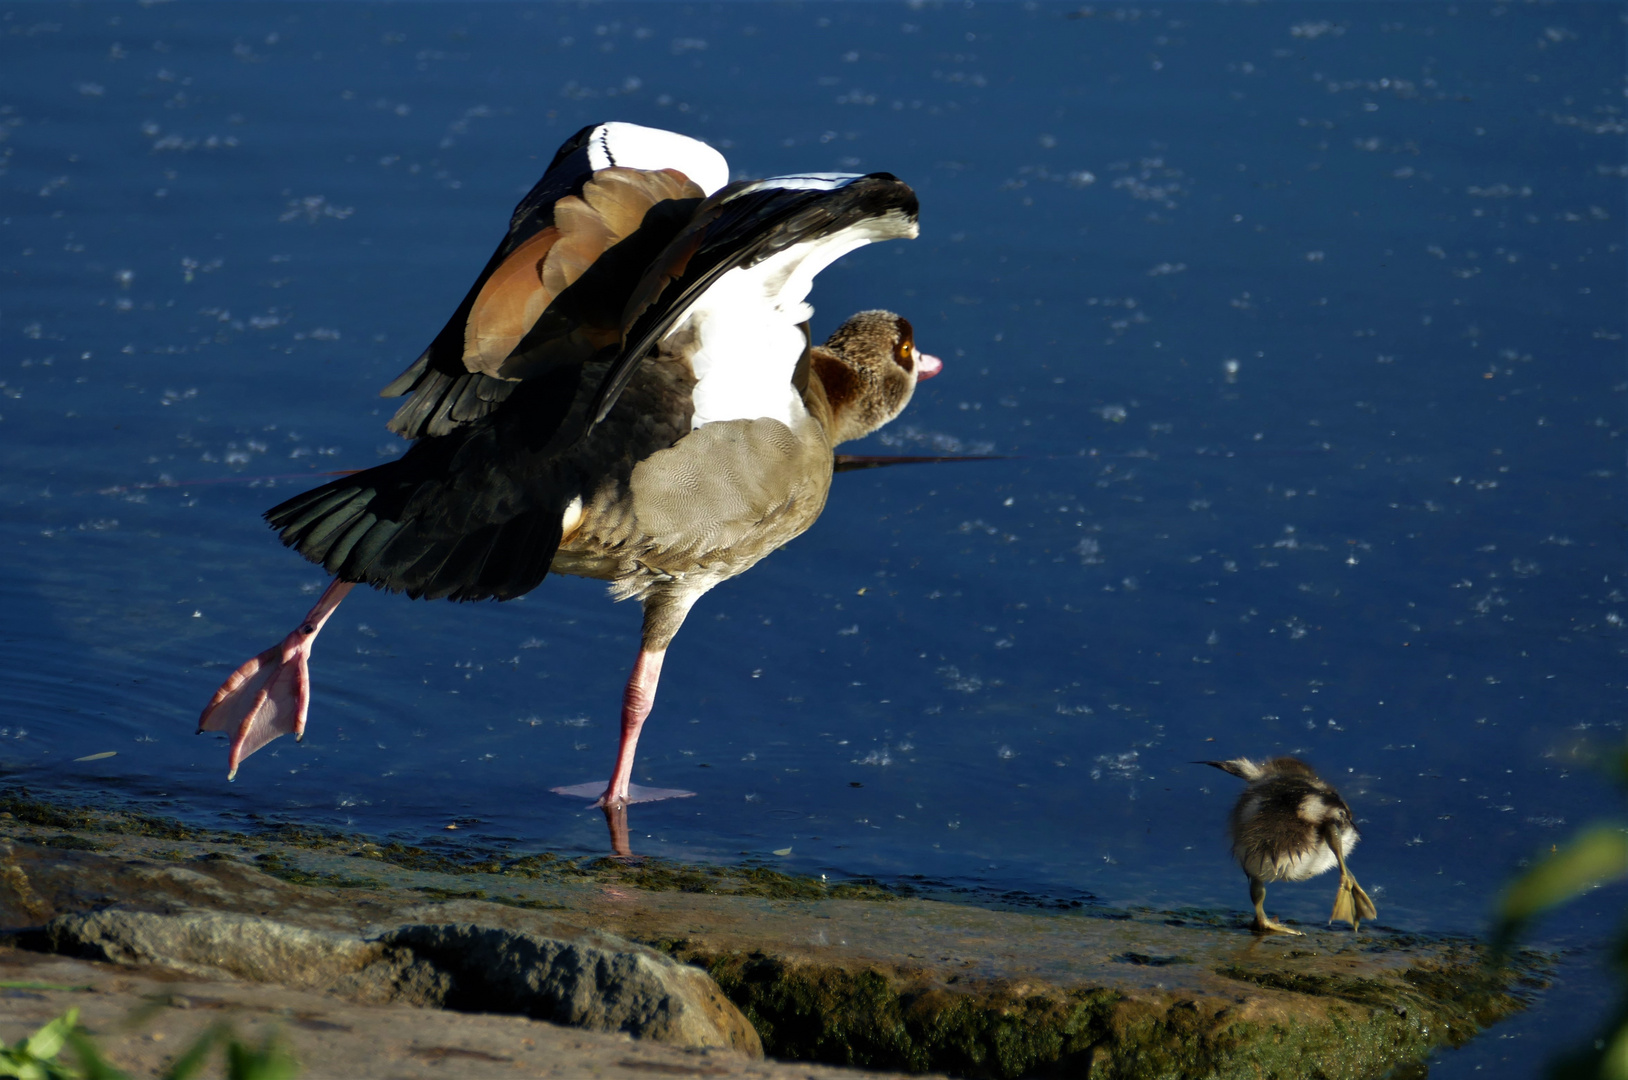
(904, 354)
(841, 385)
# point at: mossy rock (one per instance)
(846, 973)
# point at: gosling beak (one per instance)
(927, 366)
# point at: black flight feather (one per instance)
(739, 226)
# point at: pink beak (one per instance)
(927, 366)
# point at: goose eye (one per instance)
(904, 354)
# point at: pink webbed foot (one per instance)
(636, 793)
(270, 694)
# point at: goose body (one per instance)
(1289, 825)
(627, 392)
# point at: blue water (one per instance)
(1302, 326)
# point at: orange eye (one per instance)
(905, 354)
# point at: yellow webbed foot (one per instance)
(1365, 906)
(1351, 904)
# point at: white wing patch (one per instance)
(747, 339)
(820, 181)
(635, 147)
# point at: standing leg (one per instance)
(270, 694)
(1263, 925)
(637, 701)
(664, 613)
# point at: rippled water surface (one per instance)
(1301, 327)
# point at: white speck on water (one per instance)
(1312, 30)
(1120, 766)
(314, 208)
(969, 684)
(876, 757)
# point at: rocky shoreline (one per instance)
(713, 967)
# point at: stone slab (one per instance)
(842, 973)
(142, 1018)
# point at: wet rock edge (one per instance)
(879, 1014)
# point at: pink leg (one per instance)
(637, 701)
(270, 694)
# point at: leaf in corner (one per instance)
(1593, 858)
(46, 1043)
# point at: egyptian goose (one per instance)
(1290, 825)
(628, 392)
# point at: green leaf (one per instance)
(46, 1043)
(271, 1061)
(91, 1065)
(1614, 1064)
(193, 1057)
(1596, 856)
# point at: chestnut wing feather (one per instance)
(461, 376)
(437, 381)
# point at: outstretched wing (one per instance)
(597, 194)
(736, 278)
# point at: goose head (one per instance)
(869, 369)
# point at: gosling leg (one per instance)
(1262, 924)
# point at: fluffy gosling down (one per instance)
(1289, 825)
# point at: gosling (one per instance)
(1290, 825)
